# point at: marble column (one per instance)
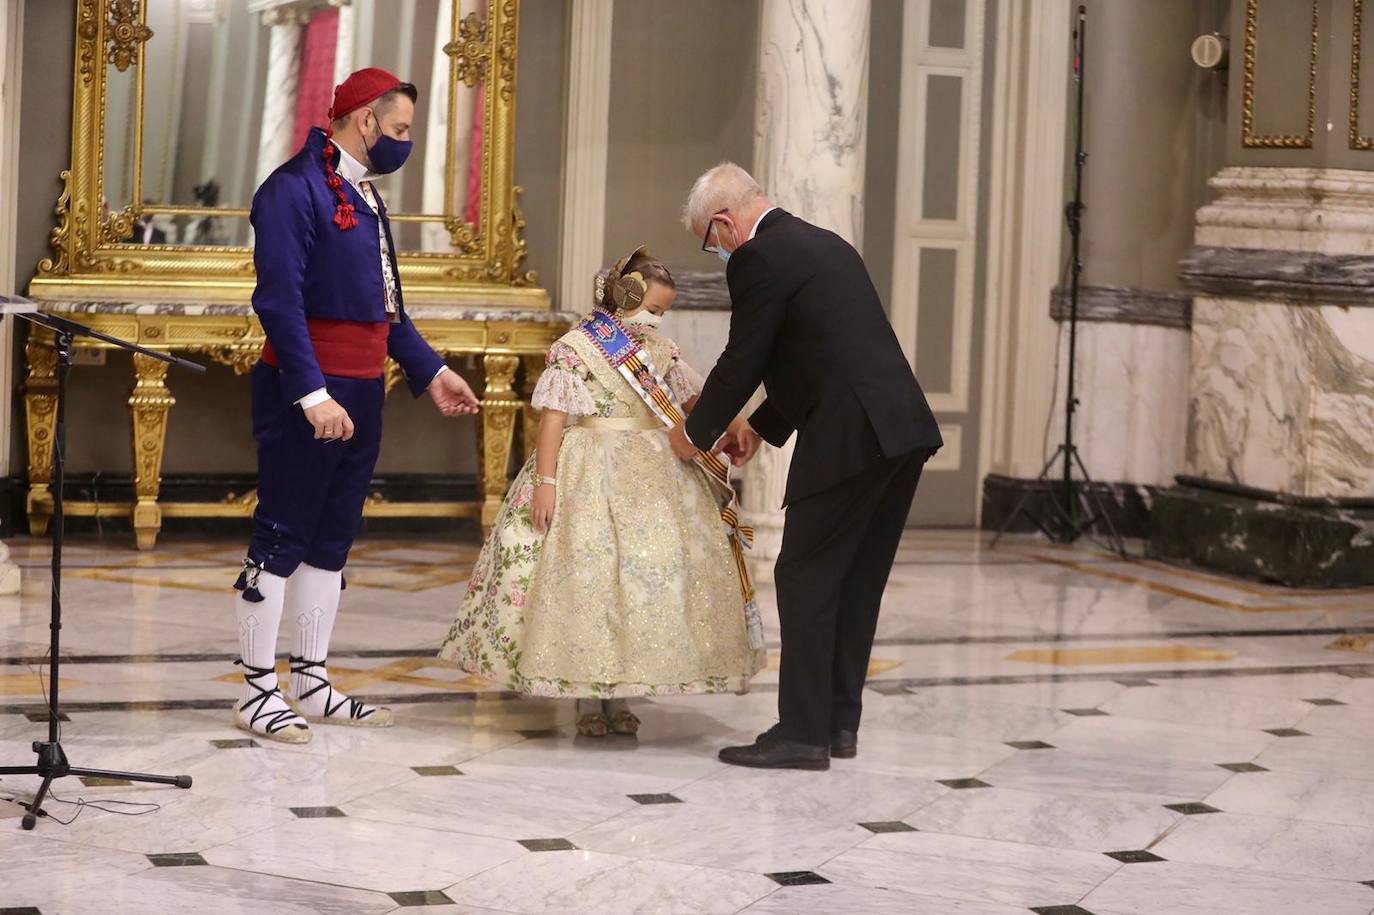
(1280, 442)
(10, 56)
(809, 148)
(283, 81)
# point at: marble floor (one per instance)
(1047, 729)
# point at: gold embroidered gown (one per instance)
(634, 590)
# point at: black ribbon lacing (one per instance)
(276, 720)
(356, 709)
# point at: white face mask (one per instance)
(643, 318)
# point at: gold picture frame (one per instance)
(93, 258)
(1248, 137)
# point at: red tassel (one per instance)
(344, 217)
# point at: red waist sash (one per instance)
(345, 349)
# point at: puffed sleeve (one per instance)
(563, 386)
(684, 381)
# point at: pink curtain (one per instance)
(317, 73)
(475, 159)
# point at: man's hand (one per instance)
(682, 445)
(452, 395)
(741, 442)
(330, 421)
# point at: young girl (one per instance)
(613, 568)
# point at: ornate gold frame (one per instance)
(94, 260)
(1248, 137)
(1357, 140)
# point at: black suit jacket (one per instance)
(806, 322)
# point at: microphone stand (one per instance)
(52, 761)
(1066, 523)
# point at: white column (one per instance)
(405, 12)
(585, 139)
(11, 35)
(1025, 224)
(343, 42)
(810, 138)
(282, 86)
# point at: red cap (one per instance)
(361, 87)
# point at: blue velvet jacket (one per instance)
(308, 268)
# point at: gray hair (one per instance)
(725, 187)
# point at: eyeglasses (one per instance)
(710, 227)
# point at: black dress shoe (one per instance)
(772, 751)
(844, 745)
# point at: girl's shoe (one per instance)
(622, 720)
(593, 724)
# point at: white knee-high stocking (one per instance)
(312, 602)
(262, 708)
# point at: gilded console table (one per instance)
(228, 334)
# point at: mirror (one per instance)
(183, 107)
(220, 113)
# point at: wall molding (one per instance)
(1304, 277)
(1125, 305)
(1248, 137)
(915, 232)
(1357, 140)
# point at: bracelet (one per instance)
(545, 481)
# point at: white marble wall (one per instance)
(1283, 396)
(809, 146)
(1282, 393)
(1132, 417)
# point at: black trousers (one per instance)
(837, 552)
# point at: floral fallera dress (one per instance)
(633, 591)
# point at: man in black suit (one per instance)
(807, 324)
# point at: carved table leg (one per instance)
(499, 408)
(148, 405)
(534, 368)
(40, 410)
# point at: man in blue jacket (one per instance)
(329, 298)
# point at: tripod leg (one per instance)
(180, 781)
(1097, 510)
(36, 805)
(1020, 506)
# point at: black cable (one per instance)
(47, 703)
(81, 804)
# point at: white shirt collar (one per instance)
(754, 231)
(353, 171)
